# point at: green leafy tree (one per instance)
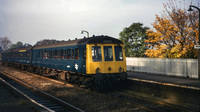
(27, 45)
(46, 41)
(19, 45)
(134, 38)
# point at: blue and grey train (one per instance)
(95, 61)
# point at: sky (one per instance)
(30, 21)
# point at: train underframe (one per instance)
(93, 81)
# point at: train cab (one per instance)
(105, 56)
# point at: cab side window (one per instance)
(118, 53)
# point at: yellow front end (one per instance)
(105, 58)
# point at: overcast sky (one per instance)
(29, 21)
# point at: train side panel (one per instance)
(6, 56)
(68, 58)
(22, 57)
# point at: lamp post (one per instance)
(190, 9)
(86, 32)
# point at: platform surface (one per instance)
(164, 79)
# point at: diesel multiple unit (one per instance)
(96, 61)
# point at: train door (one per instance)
(72, 60)
(77, 66)
(79, 61)
(69, 62)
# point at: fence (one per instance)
(172, 67)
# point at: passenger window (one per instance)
(96, 53)
(76, 53)
(21, 55)
(45, 55)
(50, 54)
(55, 54)
(58, 55)
(72, 56)
(65, 54)
(118, 53)
(40, 54)
(28, 54)
(68, 53)
(108, 54)
(61, 54)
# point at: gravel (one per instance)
(87, 100)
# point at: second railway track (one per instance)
(148, 104)
(37, 96)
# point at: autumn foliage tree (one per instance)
(175, 34)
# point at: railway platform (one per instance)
(173, 90)
(181, 82)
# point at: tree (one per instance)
(27, 45)
(133, 38)
(19, 45)
(1, 49)
(5, 42)
(46, 41)
(175, 34)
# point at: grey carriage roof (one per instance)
(90, 40)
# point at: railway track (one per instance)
(37, 96)
(127, 96)
(148, 104)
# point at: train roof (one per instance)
(6, 51)
(23, 48)
(91, 40)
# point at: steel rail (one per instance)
(153, 100)
(43, 93)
